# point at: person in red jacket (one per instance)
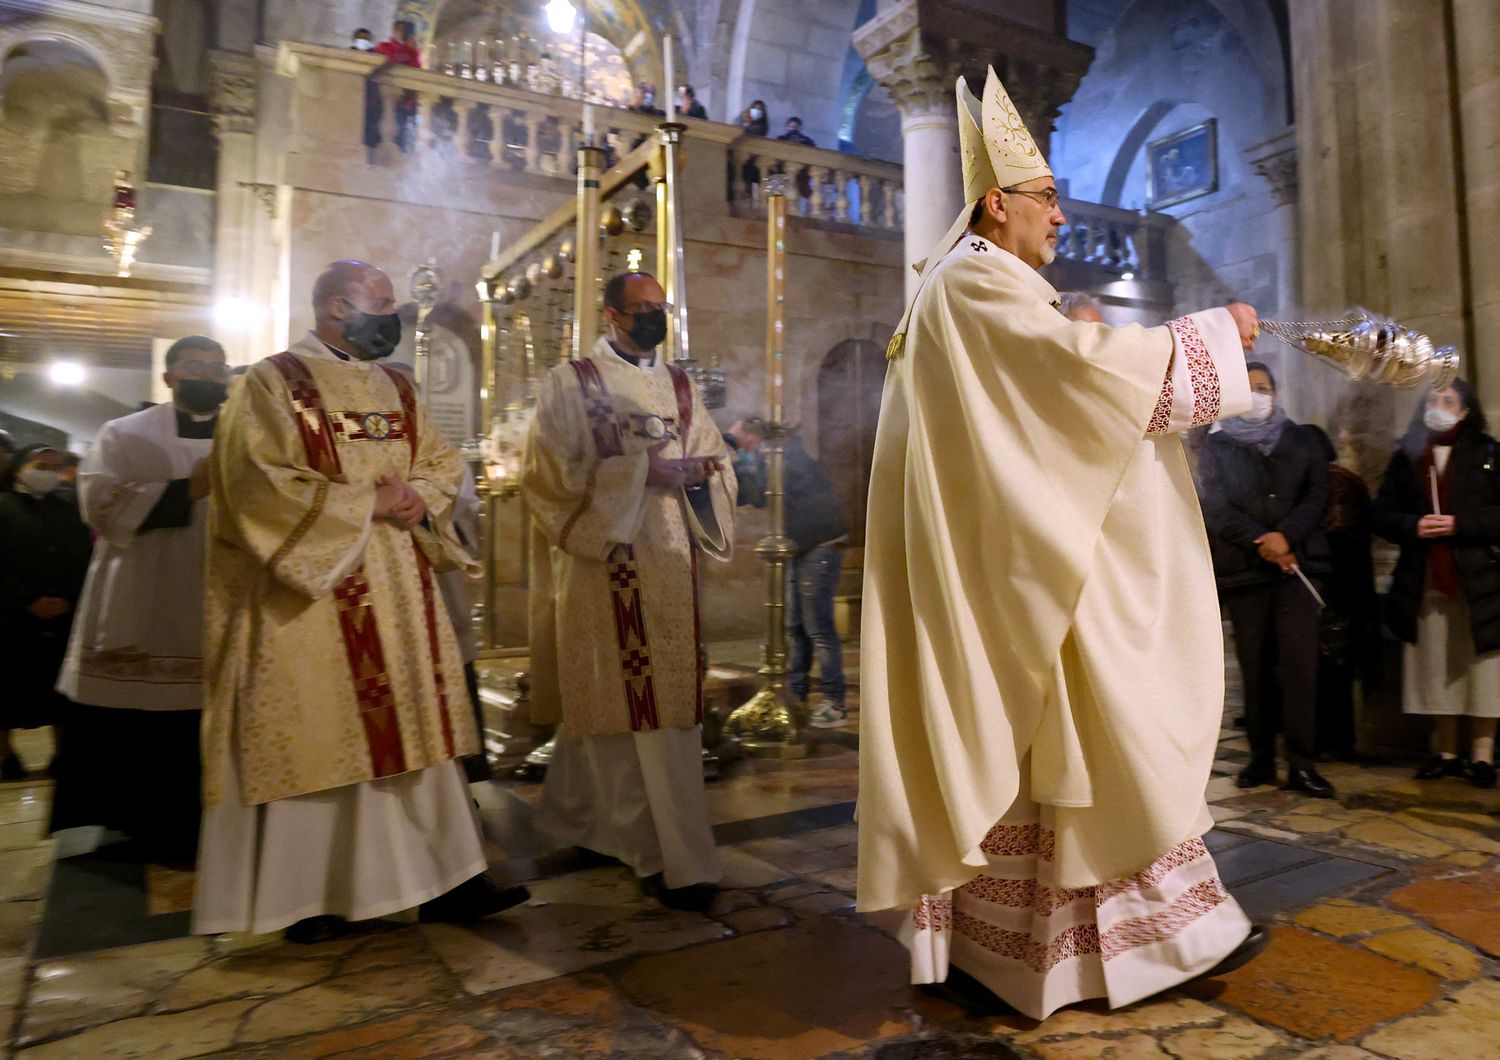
(400, 50)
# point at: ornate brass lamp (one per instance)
(1366, 345)
(768, 723)
(122, 235)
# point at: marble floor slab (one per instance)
(1382, 903)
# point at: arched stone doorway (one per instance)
(849, 386)
(62, 153)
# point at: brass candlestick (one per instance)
(768, 723)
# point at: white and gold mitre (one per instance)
(997, 148)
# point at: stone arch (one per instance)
(1130, 146)
(56, 123)
(850, 380)
(65, 44)
(624, 23)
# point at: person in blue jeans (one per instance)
(815, 522)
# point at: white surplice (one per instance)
(138, 639)
(616, 646)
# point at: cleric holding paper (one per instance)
(624, 472)
(1042, 649)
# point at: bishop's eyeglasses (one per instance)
(1047, 195)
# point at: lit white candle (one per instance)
(588, 125)
(670, 88)
(494, 244)
(1433, 481)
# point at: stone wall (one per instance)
(406, 209)
(1163, 67)
(790, 54)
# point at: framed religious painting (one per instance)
(1182, 166)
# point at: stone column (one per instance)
(917, 49)
(242, 204)
(1276, 160)
(1478, 81)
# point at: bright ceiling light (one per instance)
(1127, 275)
(234, 314)
(560, 15)
(67, 373)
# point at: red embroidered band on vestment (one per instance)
(1202, 371)
(597, 408)
(407, 390)
(635, 646)
(312, 419)
(372, 682)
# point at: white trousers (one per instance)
(361, 851)
(637, 797)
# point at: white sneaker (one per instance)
(827, 716)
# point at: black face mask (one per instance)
(650, 329)
(374, 336)
(200, 396)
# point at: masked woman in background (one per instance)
(1440, 501)
(1263, 482)
(44, 555)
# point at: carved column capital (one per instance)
(917, 48)
(232, 92)
(1276, 160)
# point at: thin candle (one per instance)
(670, 88)
(1432, 481)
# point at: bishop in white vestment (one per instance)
(1042, 648)
(625, 475)
(128, 748)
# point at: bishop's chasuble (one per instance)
(1042, 648)
(330, 659)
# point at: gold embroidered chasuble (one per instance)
(329, 657)
(1037, 583)
(614, 630)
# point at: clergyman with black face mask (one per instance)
(128, 743)
(626, 478)
(334, 715)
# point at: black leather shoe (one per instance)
(694, 898)
(471, 900)
(1308, 782)
(316, 929)
(1242, 954)
(1437, 767)
(1253, 776)
(1482, 774)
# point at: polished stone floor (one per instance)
(1385, 907)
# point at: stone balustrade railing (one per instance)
(826, 185)
(508, 127)
(1122, 241)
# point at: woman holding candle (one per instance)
(1440, 502)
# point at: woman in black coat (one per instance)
(44, 555)
(1263, 482)
(1440, 501)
